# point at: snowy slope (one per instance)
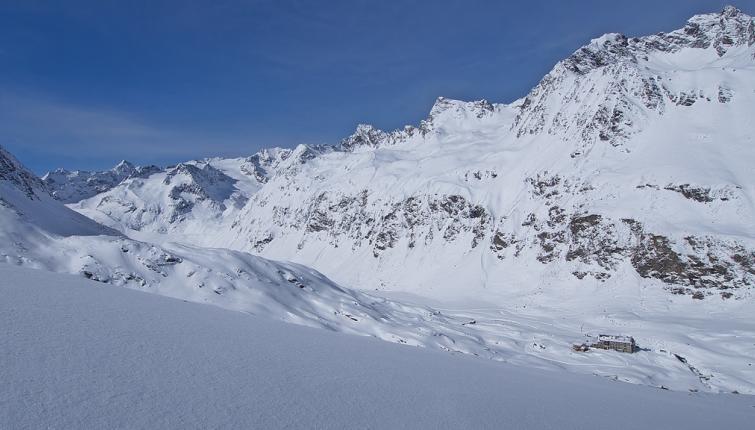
(78, 354)
(38, 231)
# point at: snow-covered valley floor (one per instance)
(684, 344)
(80, 354)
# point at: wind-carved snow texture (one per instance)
(625, 173)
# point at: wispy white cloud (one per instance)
(45, 127)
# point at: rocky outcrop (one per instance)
(270, 162)
(382, 225)
(614, 70)
(702, 263)
(368, 137)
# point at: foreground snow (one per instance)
(80, 354)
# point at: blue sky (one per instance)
(87, 83)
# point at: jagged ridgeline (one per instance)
(629, 163)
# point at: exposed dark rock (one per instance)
(699, 194)
(549, 242)
(706, 266)
(544, 185)
(745, 260)
(654, 258)
(686, 99)
(531, 219)
(319, 221)
(259, 245)
(593, 240)
(556, 216)
(12, 171)
(725, 94)
(580, 224)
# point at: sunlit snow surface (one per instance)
(79, 354)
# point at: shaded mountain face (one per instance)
(25, 202)
(630, 163)
(13, 173)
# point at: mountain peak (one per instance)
(365, 135)
(730, 11)
(719, 31)
(123, 165)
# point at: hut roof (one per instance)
(614, 338)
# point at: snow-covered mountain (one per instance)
(29, 213)
(617, 196)
(75, 186)
(628, 164)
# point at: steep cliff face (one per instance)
(629, 163)
(27, 209)
(12, 173)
